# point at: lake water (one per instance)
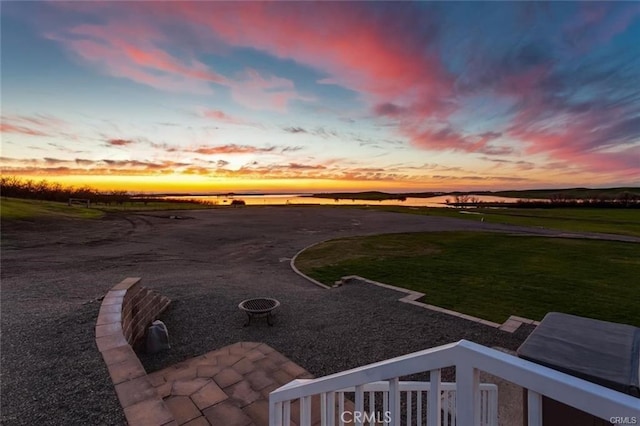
(300, 199)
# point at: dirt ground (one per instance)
(207, 261)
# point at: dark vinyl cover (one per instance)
(601, 352)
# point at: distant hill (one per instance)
(567, 194)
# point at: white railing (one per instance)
(469, 359)
(414, 397)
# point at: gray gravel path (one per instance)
(53, 274)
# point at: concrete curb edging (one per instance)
(126, 311)
(297, 271)
(510, 325)
(412, 297)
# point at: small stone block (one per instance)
(164, 390)
(202, 360)
(172, 374)
(265, 349)
(228, 360)
(107, 329)
(226, 414)
(182, 408)
(108, 318)
(109, 342)
(126, 370)
(266, 364)
(156, 378)
(236, 349)
(134, 391)
(127, 283)
(118, 354)
(112, 300)
(469, 318)
(241, 394)
(489, 323)
(266, 391)
(282, 377)
(199, 421)
(209, 395)
(208, 370)
(187, 387)
(259, 380)
(258, 412)
(521, 319)
(244, 366)
(110, 309)
(254, 355)
(152, 412)
(277, 358)
(227, 377)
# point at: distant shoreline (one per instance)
(561, 194)
(565, 193)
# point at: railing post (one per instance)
(275, 413)
(419, 408)
(435, 401)
(394, 401)
(286, 416)
(359, 404)
(305, 411)
(331, 408)
(493, 407)
(372, 408)
(534, 408)
(467, 395)
(409, 407)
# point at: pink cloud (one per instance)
(258, 91)
(10, 128)
(230, 149)
(119, 142)
(448, 139)
(34, 125)
(127, 49)
(359, 48)
(221, 116)
(397, 71)
(577, 144)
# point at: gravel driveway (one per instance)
(207, 262)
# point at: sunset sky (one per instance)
(300, 96)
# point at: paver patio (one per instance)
(228, 386)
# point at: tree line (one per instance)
(623, 199)
(52, 191)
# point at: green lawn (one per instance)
(14, 208)
(493, 276)
(137, 206)
(610, 221)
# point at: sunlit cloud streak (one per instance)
(554, 86)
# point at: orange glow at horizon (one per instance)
(193, 183)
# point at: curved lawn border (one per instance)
(297, 271)
(510, 325)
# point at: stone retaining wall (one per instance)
(126, 312)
